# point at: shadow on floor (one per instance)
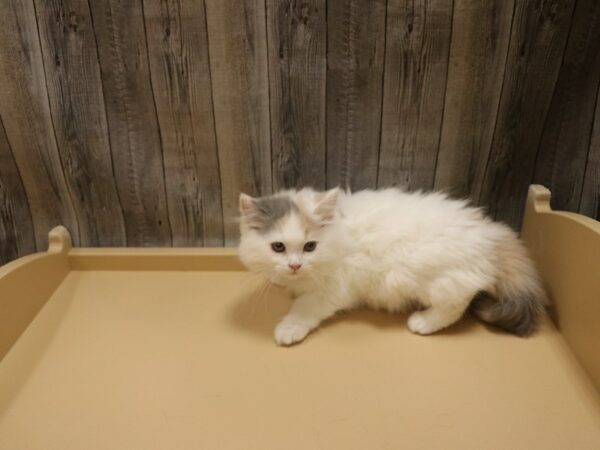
(258, 310)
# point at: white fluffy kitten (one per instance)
(388, 249)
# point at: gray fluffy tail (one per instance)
(518, 303)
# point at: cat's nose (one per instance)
(295, 267)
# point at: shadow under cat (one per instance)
(259, 308)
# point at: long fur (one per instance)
(388, 249)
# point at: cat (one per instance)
(388, 249)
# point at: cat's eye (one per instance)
(310, 246)
(278, 247)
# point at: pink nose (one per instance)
(295, 267)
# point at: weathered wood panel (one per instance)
(297, 34)
(478, 50)
(132, 121)
(565, 142)
(178, 51)
(355, 58)
(535, 53)
(416, 64)
(140, 122)
(590, 197)
(16, 227)
(26, 117)
(77, 107)
(238, 62)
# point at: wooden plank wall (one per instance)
(138, 123)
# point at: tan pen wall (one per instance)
(566, 248)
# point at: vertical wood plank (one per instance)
(26, 115)
(16, 228)
(565, 140)
(132, 121)
(77, 107)
(178, 50)
(416, 63)
(590, 197)
(355, 58)
(478, 49)
(535, 53)
(238, 63)
(297, 34)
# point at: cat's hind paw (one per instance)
(288, 332)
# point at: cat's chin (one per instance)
(292, 278)
(288, 279)
(283, 280)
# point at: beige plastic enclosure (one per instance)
(172, 349)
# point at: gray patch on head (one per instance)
(271, 209)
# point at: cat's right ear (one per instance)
(247, 205)
(251, 213)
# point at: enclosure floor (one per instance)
(186, 360)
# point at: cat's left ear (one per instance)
(326, 204)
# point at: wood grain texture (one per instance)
(590, 196)
(132, 121)
(478, 49)
(178, 51)
(564, 145)
(77, 107)
(355, 59)
(416, 64)
(537, 43)
(297, 34)
(140, 122)
(26, 116)
(16, 227)
(238, 63)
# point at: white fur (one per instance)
(384, 249)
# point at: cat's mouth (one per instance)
(293, 275)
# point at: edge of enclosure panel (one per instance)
(27, 283)
(203, 259)
(566, 249)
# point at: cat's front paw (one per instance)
(288, 332)
(419, 323)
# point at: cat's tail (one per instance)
(518, 303)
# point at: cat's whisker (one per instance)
(256, 298)
(261, 292)
(253, 278)
(265, 295)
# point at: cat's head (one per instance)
(292, 235)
